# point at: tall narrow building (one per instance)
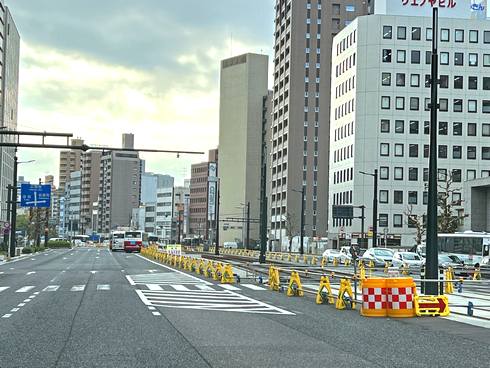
(69, 162)
(243, 86)
(304, 30)
(9, 89)
(90, 177)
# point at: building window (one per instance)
(486, 83)
(384, 149)
(442, 151)
(425, 198)
(471, 129)
(385, 126)
(415, 80)
(444, 58)
(401, 56)
(486, 36)
(426, 150)
(398, 197)
(399, 149)
(387, 32)
(485, 153)
(386, 79)
(350, 8)
(472, 106)
(473, 36)
(397, 220)
(426, 127)
(458, 35)
(443, 104)
(457, 152)
(384, 173)
(428, 34)
(413, 150)
(400, 79)
(485, 130)
(412, 197)
(441, 174)
(456, 175)
(398, 173)
(400, 103)
(383, 196)
(444, 35)
(386, 55)
(473, 59)
(415, 57)
(472, 82)
(383, 220)
(401, 33)
(471, 153)
(385, 102)
(458, 105)
(458, 58)
(457, 128)
(443, 128)
(486, 59)
(470, 174)
(458, 82)
(413, 174)
(416, 33)
(486, 107)
(414, 103)
(414, 127)
(399, 126)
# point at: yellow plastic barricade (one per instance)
(218, 272)
(274, 281)
(294, 287)
(324, 294)
(200, 267)
(401, 292)
(335, 262)
(477, 274)
(324, 261)
(432, 306)
(209, 270)
(448, 285)
(296, 258)
(345, 298)
(374, 297)
(227, 276)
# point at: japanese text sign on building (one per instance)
(34, 195)
(463, 9)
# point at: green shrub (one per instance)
(39, 249)
(59, 244)
(26, 250)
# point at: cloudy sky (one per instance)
(100, 68)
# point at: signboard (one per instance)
(212, 185)
(35, 195)
(465, 9)
(5, 227)
(342, 212)
(174, 249)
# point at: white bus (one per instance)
(117, 240)
(79, 240)
(469, 246)
(134, 240)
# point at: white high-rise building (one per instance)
(380, 112)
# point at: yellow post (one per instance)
(296, 258)
(289, 257)
(477, 274)
(345, 299)
(448, 285)
(294, 287)
(362, 271)
(324, 294)
(324, 261)
(274, 280)
(313, 260)
(335, 262)
(387, 265)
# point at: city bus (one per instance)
(117, 240)
(469, 246)
(79, 240)
(134, 240)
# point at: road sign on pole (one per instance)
(342, 212)
(35, 195)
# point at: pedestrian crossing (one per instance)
(211, 300)
(53, 288)
(165, 278)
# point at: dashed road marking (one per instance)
(154, 287)
(103, 287)
(156, 313)
(14, 309)
(2, 288)
(21, 304)
(205, 287)
(78, 288)
(31, 273)
(8, 315)
(25, 289)
(51, 288)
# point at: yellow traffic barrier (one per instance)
(405, 269)
(324, 294)
(289, 257)
(371, 264)
(294, 287)
(362, 272)
(374, 297)
(274, 281)
(227, 276)
(209, 269)
(448, 285)
(387, 266)
(433, 306)
(347, 262)
(324, 261)
(345, 298)
(335, 261)
(174, 261)
(192, 265)
(218, 272)
(313, 260)
(305, 259)
(360, 263)
(477, 274)
(200, 267)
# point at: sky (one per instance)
(98, 69)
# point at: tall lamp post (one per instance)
(13, 238)
(302, 222)
(375, 204)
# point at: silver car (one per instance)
(412, 260)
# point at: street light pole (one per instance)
(216, 247)
(375, 204)
(432, 263)
(13, 219)
(302, 223)
(247, 244)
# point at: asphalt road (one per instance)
(89, 307)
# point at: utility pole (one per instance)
(13, 217)
(216, 247)
(247, 244)
(263, 183)
(38, 224)
(6, 239)
(432, 263)
(46, 228)
(302, 230)
(375, 209)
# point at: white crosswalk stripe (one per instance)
(252, 287)
(51, 288)
(2, 288)
(25, 289)
(165, 278)
(204, 287)
(229, 287)
(220, 300)
(180, 287)
(78, 288)
(103, 287)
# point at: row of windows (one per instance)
(443, 128)
(415, 57)
(346, 42)
(442, 174)
(343, 153)
(343, 197)
(412, 197)
(416, 34)
(345, 86)
(345, 65)
(344, 109)
(414, 104)
(442, 151)
(458, 81)
(343, 176)
(344, 131)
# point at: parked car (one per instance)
(378, 255)
(449, 260)
(410, 259)
(331, 254)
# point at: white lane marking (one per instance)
(123, 271)
(156, 313)
(26, 301)
(103, 287)
(151, 308)
(151, 271)
(21, 304)
(252, 287)
(14, 309)
(228, 287)
(11, 268)
(65, 258)
(78, 288)
(154, 287)
(2, 288)
(51, 288)
(36, 293)
(93, 272)
(25, 289)
(1, 273)
(31, 273)
(8, 315)
(97, 257)
(33, 259)
(204, 287)
(180, 287)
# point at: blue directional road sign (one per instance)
(35, 195)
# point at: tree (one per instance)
(449, 219)
(290, 229)
(418, 222)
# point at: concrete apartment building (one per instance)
(380, 114)
(243, 85)
(119, 190)
(72, 205)
(181, 210)
(201, 205)
(90, 181)
(9, 90)
(69, 161)
(304, 30)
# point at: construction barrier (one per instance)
(400, 297)
(432, 306)
(294, 287)
(324, 294)
(374, 297)
(274, 281)
(448, 285)
(227, 276)
(345, 298)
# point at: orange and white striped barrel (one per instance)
(374, 297)
(401, 293)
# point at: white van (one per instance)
(230, 245)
